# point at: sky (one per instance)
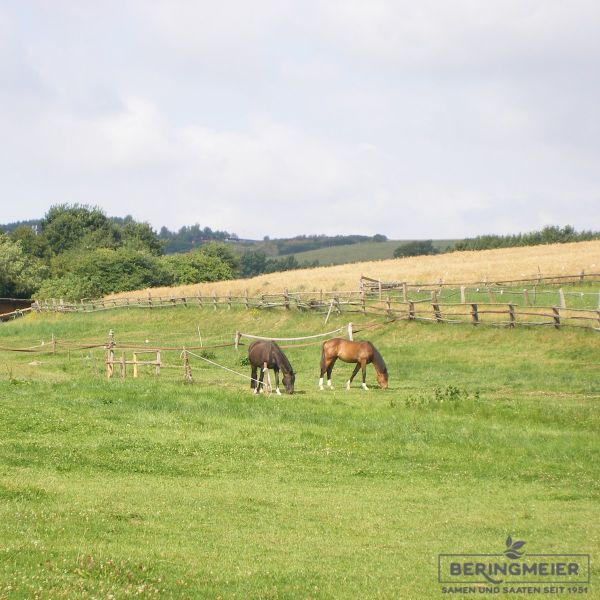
(417, 120)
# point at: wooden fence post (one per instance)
(149, 300)
(329, 311)
(474, 314)
(404, 292)
(238, 336)
(526, 298)
(379, 285)
(215, 300)
(229, 301)
(110, 355)
(388, 302)
(511, 315)
(462, 294)
(246, 299)
(286, 299)
(135, 365)
(350, 332)
(561, 298)
(437, 313)
(556, 317)
(158, 362)
(187, 370)
(411, 310)
(364, 307)
(123, 369)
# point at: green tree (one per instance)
(141, 236)
(415, 248)
(253, 263)
(104, 271)
(224, 252)
(195, 267)
(78, 226)
(20, 274)
(32, 242)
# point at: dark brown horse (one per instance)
(361, 353)
(265, 354)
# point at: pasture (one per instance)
(154, 488)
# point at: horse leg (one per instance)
(260, 382)
(356, 368)
(253, 380)
(329, 369)
(364, 374)
(324, 366)
(276, 370)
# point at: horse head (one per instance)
(382, 378)
(288, 380)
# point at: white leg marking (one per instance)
(321, 383)
(329, 384)
(348, 384)
(278, 392)
(364, 386)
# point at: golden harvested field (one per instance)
(457, 267)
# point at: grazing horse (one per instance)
(361, 353)
(263, 355)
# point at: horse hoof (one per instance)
(347, 385)
(278, 392)
(364, 387)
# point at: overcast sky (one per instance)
(415, 119)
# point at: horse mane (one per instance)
(378, 360)
(282, 358)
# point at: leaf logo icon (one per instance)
(513, 548)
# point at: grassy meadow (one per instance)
(361, 252)
(155, 488)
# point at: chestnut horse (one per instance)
(361, 353)
(265, 354)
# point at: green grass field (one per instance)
(154, 488)
(339, 255)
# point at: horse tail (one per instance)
(323, 359)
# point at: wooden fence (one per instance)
(432, 308)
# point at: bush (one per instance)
(104, 271)
(195, 267)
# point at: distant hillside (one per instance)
(470, 266)
(339, 255)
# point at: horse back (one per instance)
(347, 350)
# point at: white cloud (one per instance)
(427, 119)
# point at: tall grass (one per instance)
(458, 267)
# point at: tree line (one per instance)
(76, 251)
(548, 235)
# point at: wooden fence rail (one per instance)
(507, 314)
